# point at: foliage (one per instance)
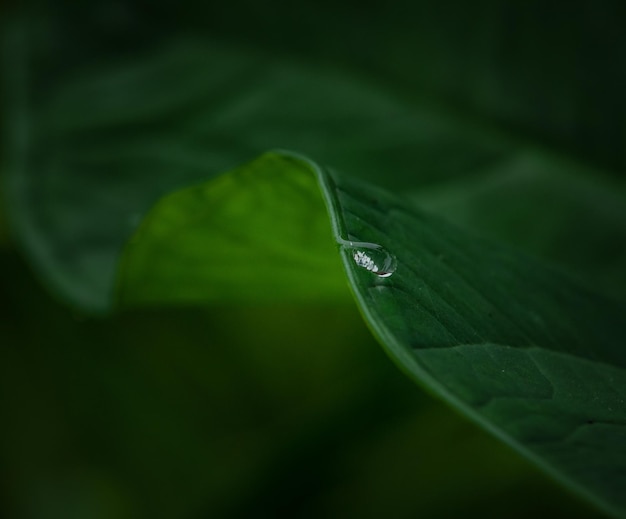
(479, 157)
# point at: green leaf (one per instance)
(85, 176)
(110, 108)
(257, 234)
(517, 346)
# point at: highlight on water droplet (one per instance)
(371, 257)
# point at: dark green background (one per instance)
(224, 412)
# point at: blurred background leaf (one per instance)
(114, 104)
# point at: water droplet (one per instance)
(371, 257)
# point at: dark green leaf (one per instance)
(519, 347)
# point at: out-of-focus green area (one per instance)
(232, 412)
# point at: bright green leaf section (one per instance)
(259, 233)
(521, 348)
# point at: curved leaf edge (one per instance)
(411, 367)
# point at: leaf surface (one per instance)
(521, 348)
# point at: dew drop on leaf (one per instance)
(371, 257)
